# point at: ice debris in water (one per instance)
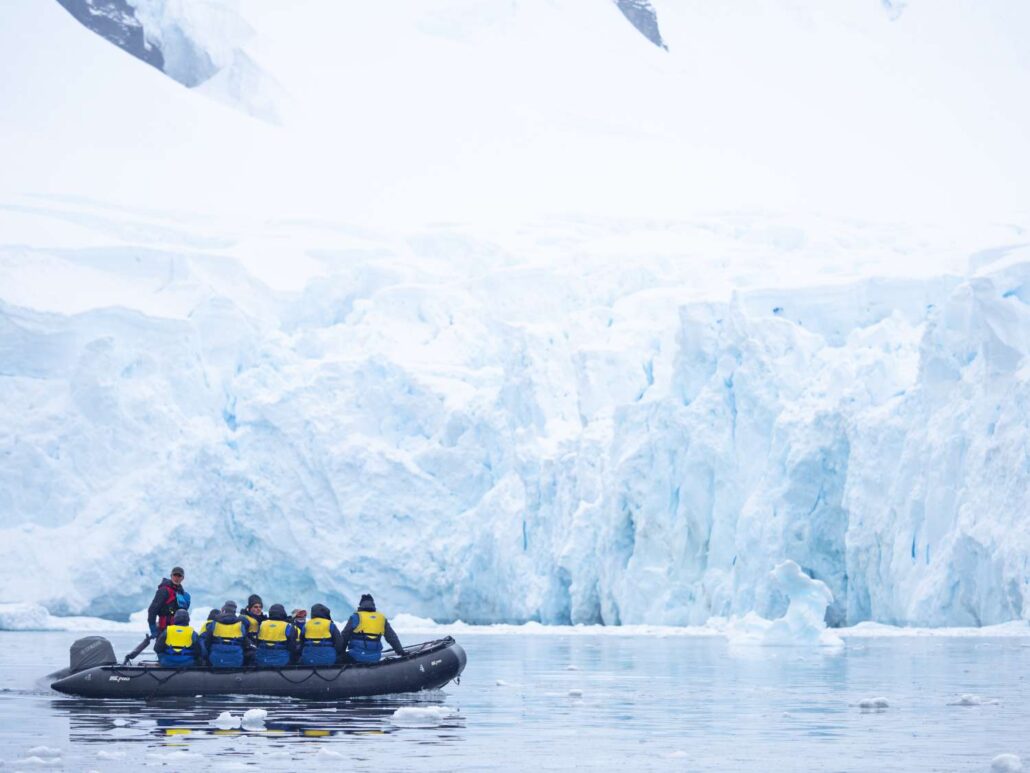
(575, 693)
(421, 714)
(325, 753)
(104, 754)
(501, 683)
(873, 703)
(804, 623)
(254, 718)
(120, 722)
(968, 699)
(571, 668)
(1006, 763)
(43, 751)
(226, 721)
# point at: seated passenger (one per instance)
(362, 637)
(210, 620)
(226, 638)
(254, 616)
(178, 645)
(276, 639)
(318, 638)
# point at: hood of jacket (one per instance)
(320, 610)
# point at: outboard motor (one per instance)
(85, 654)
(90, 652)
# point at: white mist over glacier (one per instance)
(400, 342)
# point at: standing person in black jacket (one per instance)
(169, 598)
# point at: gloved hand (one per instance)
(153, 629)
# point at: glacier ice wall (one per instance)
(507, 444)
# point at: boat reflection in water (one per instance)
(178, 720)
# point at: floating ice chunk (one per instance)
(873, 703)
(571, 668)
(804, 624)
(226, 721)
(679, 754)
(120, 722)
(421, 715)
(1006, 763)
(104, 754)
(501, 683)
(968, 699)
(574, 693)
(325, 753)
(43, 751)
(254, 718)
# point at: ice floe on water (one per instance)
(422, 715)
(328, 754)
(968, 699)
(1006, 763)
(575, 693)
(114, 754)
(227, 721)
(874, 704)
(254, 719)
(44, 751)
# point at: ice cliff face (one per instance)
(512, 445)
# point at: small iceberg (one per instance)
(804, 624)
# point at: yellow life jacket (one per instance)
(252, 624)
(371, 625)
(317, 629)
(272, 631)
(179, 636)
(227, 630)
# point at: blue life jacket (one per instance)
(181, 648)
(273, 641)
(227, 644)
(317, 643)
(366, 640)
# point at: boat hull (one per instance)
(428, 669)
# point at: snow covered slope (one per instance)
(251, 349)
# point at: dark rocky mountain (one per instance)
(642, 15)
(116, 21)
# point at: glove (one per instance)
(153, 629)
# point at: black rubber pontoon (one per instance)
(423, 667)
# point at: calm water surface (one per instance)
(559, 702)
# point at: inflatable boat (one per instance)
(95, 673)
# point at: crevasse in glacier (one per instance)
(510, 447)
